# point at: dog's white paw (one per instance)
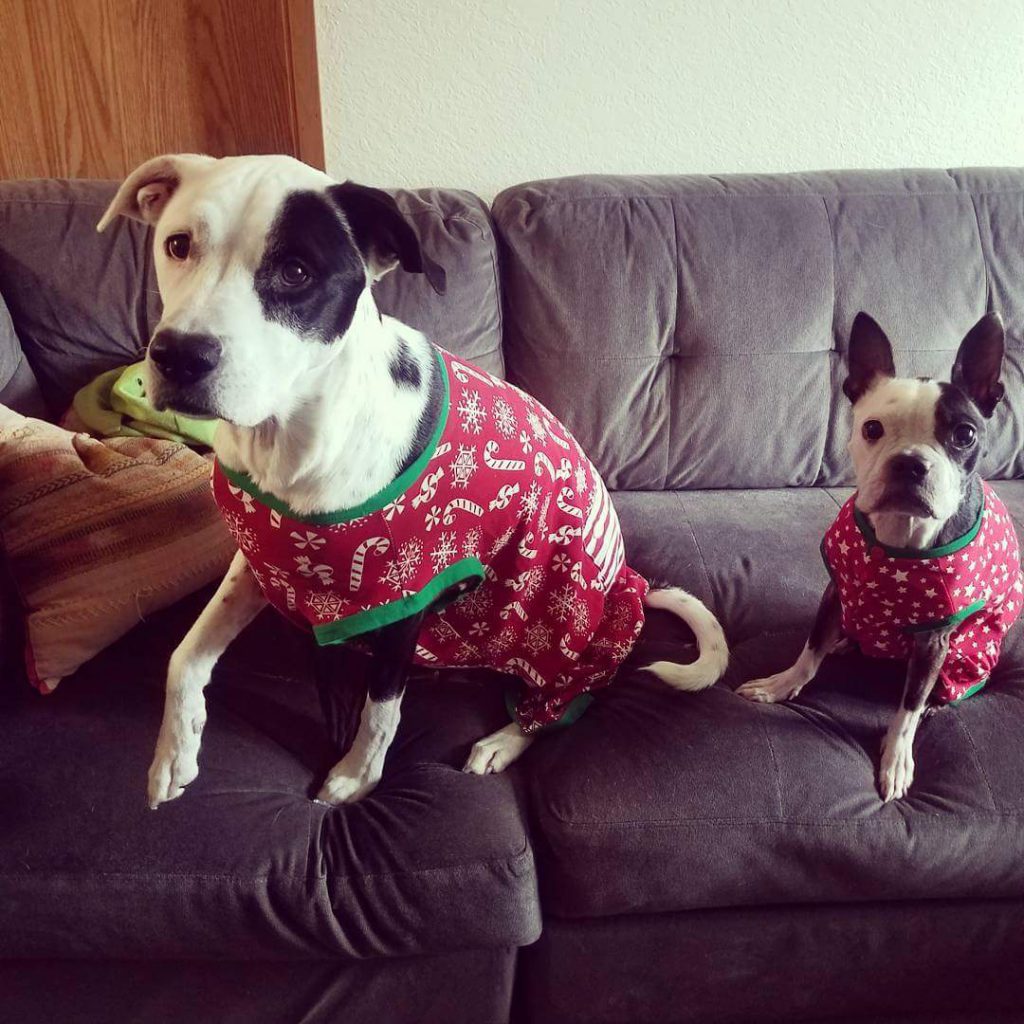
(896, 771)
(175, 765)
(779, 687)
(496, 752)
(349, 781)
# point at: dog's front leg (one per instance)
(826, 635)
(234, 605)
(896, 771)
(359, 771)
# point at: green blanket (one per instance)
(115, 405)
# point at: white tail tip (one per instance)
(714, 651)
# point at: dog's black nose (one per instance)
(911, 468)
(184, 358)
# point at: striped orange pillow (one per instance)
(98, 534)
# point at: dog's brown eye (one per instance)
(294, 273)
(872, 430)
(178, 246)
(964, 435)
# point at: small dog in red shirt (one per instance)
(923, 558)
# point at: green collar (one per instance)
(919, 553)
(375, 502)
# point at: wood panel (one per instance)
(91, 88)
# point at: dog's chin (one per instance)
(184, 404)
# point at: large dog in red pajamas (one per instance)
(377, 487)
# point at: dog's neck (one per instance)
(903, 531)
(353, 425)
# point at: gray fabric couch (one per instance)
(670, 858)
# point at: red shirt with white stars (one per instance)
(502, 503)
(888, 593)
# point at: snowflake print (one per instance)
(324, 573)
(562, 602)
(501, 541)
(307, 539)
(324, 604)
(529, 502)
(504, 418)
(528, 582)
(475, 604)
(400, 569)
(501, 641)
(581, 618)
(471, 412)
(464, 465)
(537, 638)
(581, 481)
(445, 551)
(471, 543)
(536, 426)
(444, 630)
(276, 576)
(466, 653)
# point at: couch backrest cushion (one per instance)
(83, 303)
(691, 330)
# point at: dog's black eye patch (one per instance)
(959, 427)
(321, 300)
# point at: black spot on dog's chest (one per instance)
(309, 228)
(405, 371)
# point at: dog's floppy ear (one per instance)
(144, 193)
(979, 361)
(870, 357)
(384, 236)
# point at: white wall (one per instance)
(481, 94)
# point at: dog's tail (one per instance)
(714, 651)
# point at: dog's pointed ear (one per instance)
(145, 192)
(384, 236)
(979, 362)
(870, 357)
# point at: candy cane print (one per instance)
(541, 460)
(576, 575)
(525, 551)
(565, 534)
(461, 505)
(525, 669)
(428, 488)
(506, 465)
(560, 441)
(563, 646)
(463, 373)
(275, 519)
(564, 470)
(513, 607)
(422, 652)
(441, 449)
(380, 546)
(570, 510)
(505, 494)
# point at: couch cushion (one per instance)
(245, 864)
(83, 303)
(639, 308)
(656, 800)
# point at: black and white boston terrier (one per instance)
(265, 268)
(923, 558)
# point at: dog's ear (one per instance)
(979, 362)
(144, 193)
(384, 236)
(870, 357)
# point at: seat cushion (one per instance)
(657, 800)
(245, 864)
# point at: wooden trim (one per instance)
(307, 122)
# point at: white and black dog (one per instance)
(265, 268)
(923, 558)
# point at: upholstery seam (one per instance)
(977, 760)
(775, 763)
(833, 340)
(981, 249)
(674, 348)
(696, 544)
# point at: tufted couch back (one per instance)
(691, 330)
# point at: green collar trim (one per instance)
(375, 502)
(867, 531)
(340, 630)
(950, 620)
